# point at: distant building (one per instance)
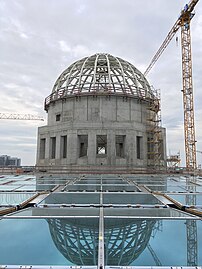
(6, 160)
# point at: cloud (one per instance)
(76, 51)
(63, 46)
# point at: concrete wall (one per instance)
(94, 116)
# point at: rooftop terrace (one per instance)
(97, 221)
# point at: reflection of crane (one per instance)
(156, 259)
(192, 247)
(183, 22)
(6, 116)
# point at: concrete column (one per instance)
(58, 141)
(91, 147)
(38, 149)
(130, 148)
(47, 147)
(140, 162)
(144, 149)
(72, 147)
(111, 148)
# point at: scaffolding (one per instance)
(154, 132)
(173, 161)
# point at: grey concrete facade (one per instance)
(92, 116)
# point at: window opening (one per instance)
(52, 147)
(42, 148)
(120, 146)
(139, 147)
(83, 145)
(58, 117)
(101, 144)
(63, 146)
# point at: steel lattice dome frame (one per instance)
(100, 74)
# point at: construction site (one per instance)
(104, 192)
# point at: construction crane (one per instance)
(6, 116)
(183, 22)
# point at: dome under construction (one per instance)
(102, 73)
(101, 112)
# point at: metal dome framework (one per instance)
(78, 240)
(101, 74)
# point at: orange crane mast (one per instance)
(183, 22)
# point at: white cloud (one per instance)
(81, 50)
(23, 35)
(81, 8)
(76, 51)
(63, 46)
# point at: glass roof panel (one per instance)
(182, 198)
(130, 242)
(89, 181)
(127, 198)
(9, 187)
(27, 188)
(23, 182)
(49, 241)
(54, 212)
(78, 187)
(164, 188)
(72, 198)
(45, 187)
(146, 212)
(13, 198)
(103, 181)
(120, 188)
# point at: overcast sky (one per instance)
(41, 38)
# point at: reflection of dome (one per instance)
(102, 73)
(77, 239)
(125, 242)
